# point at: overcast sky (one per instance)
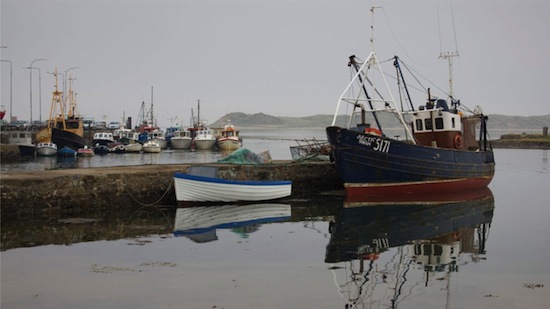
(282, 58)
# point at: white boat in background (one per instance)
(158, 136)
(229, 138)
(135, 147)
(126, 136)
(181, 139)
(200, 223)
(201, 184)
(103, 138)
(151, 147)
(205, 139)
(47, 149)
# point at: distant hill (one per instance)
(496, 122)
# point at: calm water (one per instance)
(488, 252)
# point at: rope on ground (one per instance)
(154, 203)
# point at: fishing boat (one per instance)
(65, 127)
(46, 149)
(24, 142)
(201, 184)
(85, 152)
(126, 136)
(442, 151)
(229, 138)
(181, 139)
(205, 139)
(151, 147)
(102, 138)
(199, 223)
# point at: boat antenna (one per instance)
(449, 57)
(372, 26)
(152, 117)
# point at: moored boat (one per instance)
(102, 138)
(135, 147)
(66, 152)
(85, 152)
(47, 149)
(229, 138)
(65, 127)
(440, 151)
(181, 139)
(204, 140)
(151, 147)
(196, 187)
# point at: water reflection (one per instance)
(382, 253)
(200, 223)
(67, 229)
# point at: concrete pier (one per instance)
(71, 190)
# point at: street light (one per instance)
(65, 81)
(11, 85)
(30, 79)
(39, 90)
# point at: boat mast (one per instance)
(152, 118)
(57, 109)
(72, 101)
(449, 57)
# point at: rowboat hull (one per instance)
(377, 165)
(192, 188)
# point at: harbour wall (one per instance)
(74, 190)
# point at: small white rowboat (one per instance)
(193, 188)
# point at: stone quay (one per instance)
(74, 190)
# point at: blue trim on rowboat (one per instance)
(233, 182)
(229, 225)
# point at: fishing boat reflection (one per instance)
(382, 253)
(201, 222)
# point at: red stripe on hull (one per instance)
(415, 188)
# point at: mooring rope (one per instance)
(154, 203)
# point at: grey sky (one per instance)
(283, 58)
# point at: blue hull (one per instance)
(66, 152)
(376, 164)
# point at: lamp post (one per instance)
(65, 81)
(39, 91)
(11, 85)
(30, 79)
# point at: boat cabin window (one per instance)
(419, 126)
(428, 123)
(453, 122)
(72, 125)
(439, 123)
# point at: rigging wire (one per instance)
(399, 43)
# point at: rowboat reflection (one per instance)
(200, 223)
(391, 251)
